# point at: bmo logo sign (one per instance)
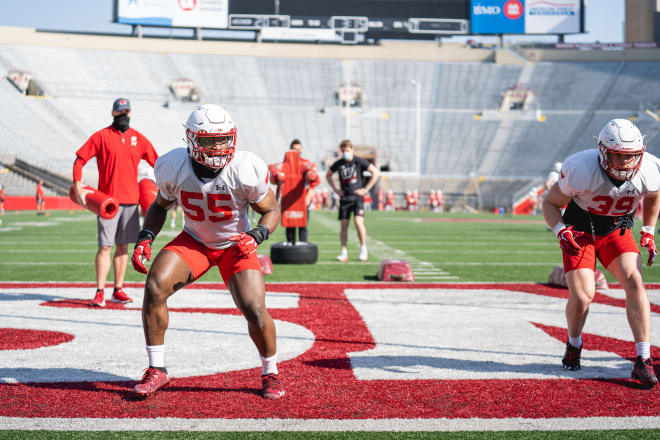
(486, 10)
(513, 9)
(497, 16)
(187, 5)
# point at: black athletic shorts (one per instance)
(350, 204)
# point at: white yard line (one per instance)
(270, 424)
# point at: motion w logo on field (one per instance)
(347, 351)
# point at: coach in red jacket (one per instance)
(118, 150)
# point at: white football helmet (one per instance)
(211, 136)
(620, 137)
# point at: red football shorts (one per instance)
(200, 258)
(605, 247)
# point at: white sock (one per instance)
(575, 342)
(643, 349)
(172, 224)
(269, 365)
(344, 251)
(156, 355)
(363, 248)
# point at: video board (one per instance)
(375, 18)
(370, 19)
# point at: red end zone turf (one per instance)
(320, 382)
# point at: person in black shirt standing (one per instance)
(351, 194)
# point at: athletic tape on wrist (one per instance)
(648, 229)
(558, 227)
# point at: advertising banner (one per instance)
(175, 13)
(497, 17)
(552, 17)
(526, 16)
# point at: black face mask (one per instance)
(121, 122)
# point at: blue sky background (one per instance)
(604, 19)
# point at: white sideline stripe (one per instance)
(335, 242)
(41, 242)
(453, 263)
(213, 283)
(46, 263)
(181, 424)
(499, 263)
(51, 251)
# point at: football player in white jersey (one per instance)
(602, 187)
(214, 184)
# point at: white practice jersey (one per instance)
(583, 179)
(217, 209)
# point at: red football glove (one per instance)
(245, 244)
(142, 251)
(648, 242)
(567, 241)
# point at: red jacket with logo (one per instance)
(117, 156)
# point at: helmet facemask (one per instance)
(213, 150)
(612, 166)
(620, 149)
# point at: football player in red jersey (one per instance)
(214, 184)
(602, 188)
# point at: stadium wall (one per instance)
(27, 203)
(580, 55)
(427, 51)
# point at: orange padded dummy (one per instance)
(148, 192)
(294, 176)
(99, 203)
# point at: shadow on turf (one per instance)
(625, 383)
(25, 296)
(403, 364)
(412, 364)
(124, 389)
(44, 377)
(129, 396)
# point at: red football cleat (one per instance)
(272, 386)
(152, 380)
(119, 296)
(99, 299)
(643, 372)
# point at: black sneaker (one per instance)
(643, 372)
(571, 360)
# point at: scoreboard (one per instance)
(353, 21)
(373, 18)
(370, 19)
